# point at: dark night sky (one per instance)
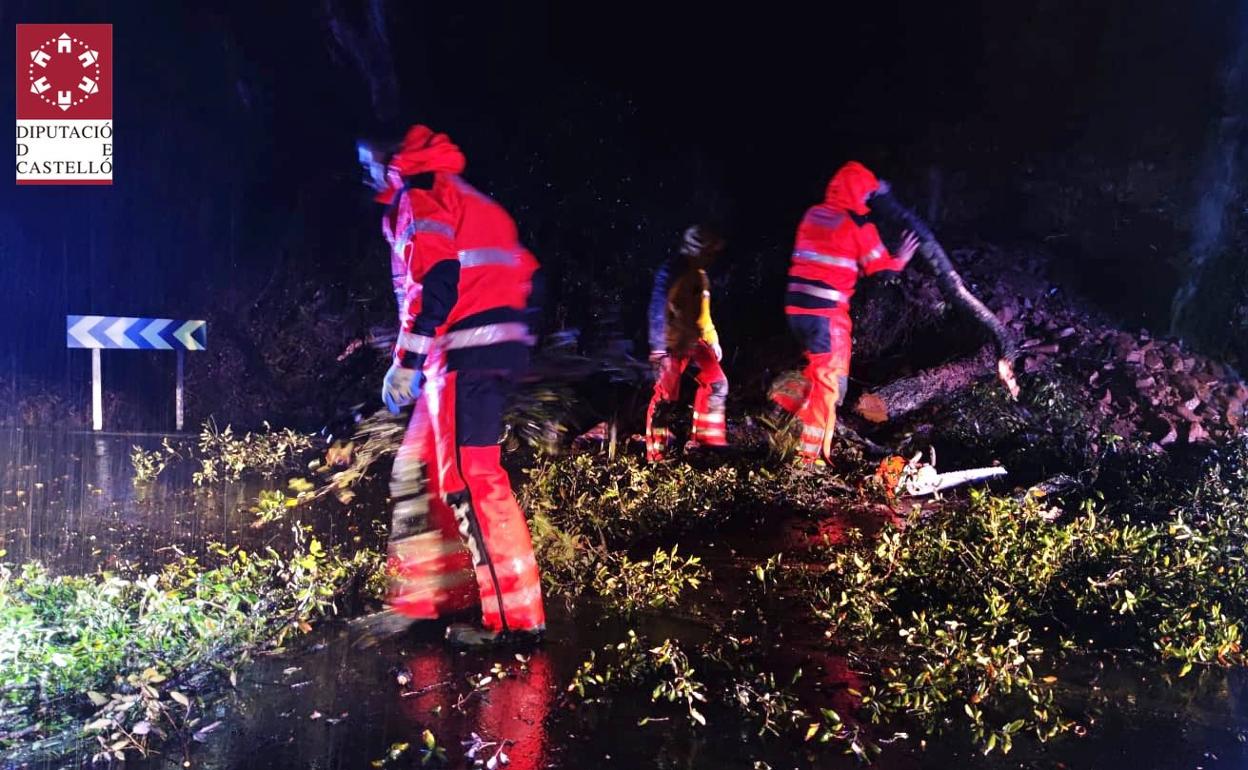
(603, 127)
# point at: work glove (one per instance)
(401, 386)
(719, 352)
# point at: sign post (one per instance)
(97, 333)
(97, 392)
(177, 397)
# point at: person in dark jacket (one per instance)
(682, 332)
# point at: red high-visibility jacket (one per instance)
(468, 282)
(832, 248)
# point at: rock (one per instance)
(1033, 363)
(1169, 438)
(1124, 345)
(1196, 433)
(1160, 430)
(1235, 414)
(1144, 383)
(1187, 387)
(1122, 428)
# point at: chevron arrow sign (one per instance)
(124, 333)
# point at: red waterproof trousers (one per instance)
(474, 525)
(827, 341)
(709, 428)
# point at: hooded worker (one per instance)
(682, 332)
(465, 289)
(835, 244)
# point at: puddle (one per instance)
(67, 499)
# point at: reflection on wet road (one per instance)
(67, 499)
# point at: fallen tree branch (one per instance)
(909, 394)
(954, 288)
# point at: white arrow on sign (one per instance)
(152, 334)
(79, 331)
(89, 57)
(117, 333)
(40, 85)
(184, 332)
(40, 58)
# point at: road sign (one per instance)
(102, 332)
(126, 333)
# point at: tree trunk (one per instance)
(909, 394)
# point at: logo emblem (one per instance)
(64, 104)
(64, 71)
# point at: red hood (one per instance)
(423, 151)
(850, 187)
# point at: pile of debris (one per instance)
(1138, 386)
(1145, 388)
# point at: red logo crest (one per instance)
(64, 103)
(64, 71)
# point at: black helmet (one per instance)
(701, 244)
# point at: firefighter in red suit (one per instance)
(835, 244)
(465, 290)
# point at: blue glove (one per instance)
(401, 387)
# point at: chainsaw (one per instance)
(919, 478)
